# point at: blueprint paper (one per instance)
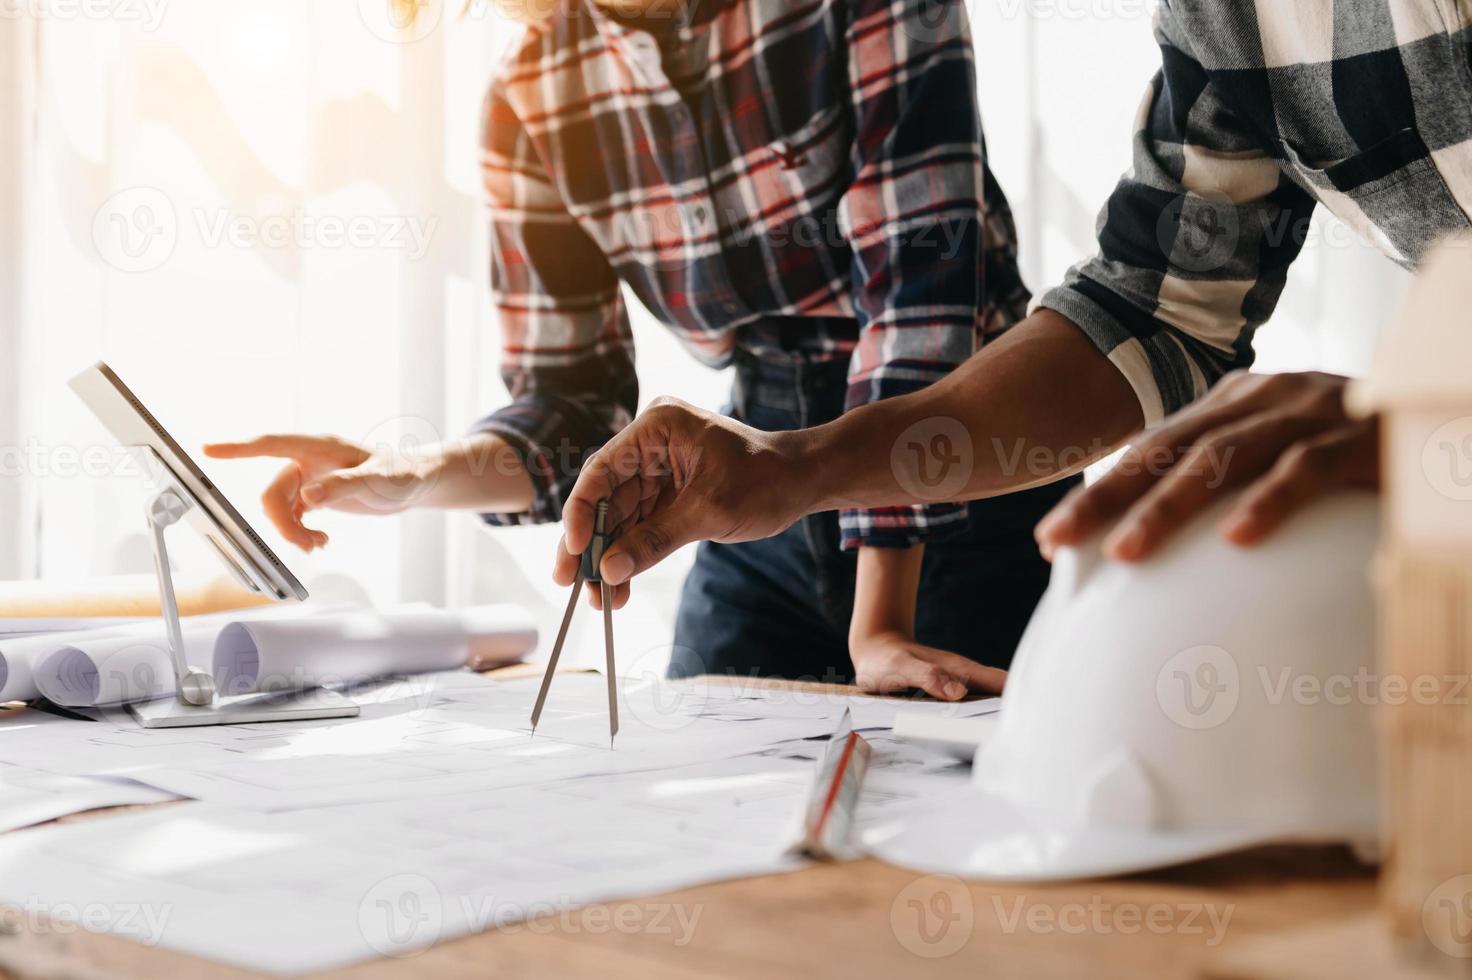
(421, 736)
(335, 886)
(427, 735)
(30, 796)
(117, 668)
(294, 654)
(726, 698)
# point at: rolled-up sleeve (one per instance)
(1194, 244)
(567, 353)
(914, 216)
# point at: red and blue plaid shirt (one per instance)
(798, 180)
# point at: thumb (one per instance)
(646, 544)
(333, 488)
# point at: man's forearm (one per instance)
(479, 472)
(1037, 404)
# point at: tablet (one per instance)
(248, 558)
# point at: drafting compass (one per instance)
(588, 572)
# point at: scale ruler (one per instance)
(828, 821)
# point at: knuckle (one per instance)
(1301, 460)
(1326, 402)
(1088, 511)
(1162, 510)
(1211, 457)
(1278, 385)
(653, 541)
(666, 410)
(1235, 382)
(1206, 448)
(1086, 503)
(1088, 506)
(931, 677)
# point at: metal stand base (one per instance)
(195, 703)
(245, 710)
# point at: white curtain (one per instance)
(264, 214)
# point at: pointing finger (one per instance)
(334, 451)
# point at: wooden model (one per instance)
(1421, 384)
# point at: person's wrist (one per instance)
(808, 469)
(432, 468)
(479, 471)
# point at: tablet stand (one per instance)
(195, 702)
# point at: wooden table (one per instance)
(862, 919)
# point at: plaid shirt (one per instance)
(1260, 111)
(802, 181)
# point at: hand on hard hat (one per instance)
(1286, 438)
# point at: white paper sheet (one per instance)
(432, 734)
(419, 736)
(30, 796)
(268, 654)
(291, 893)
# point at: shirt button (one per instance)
(731, 306)
(698, 215)
(645, 50)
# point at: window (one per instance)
(265, 214)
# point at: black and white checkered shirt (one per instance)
(1260, 111)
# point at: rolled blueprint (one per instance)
(119, 667)
(296, 654)
(18, 656)
(136, 658)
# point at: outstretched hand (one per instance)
(326, 472)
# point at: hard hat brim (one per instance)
(976, 834)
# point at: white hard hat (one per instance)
(1212, 698)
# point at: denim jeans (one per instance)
(781, 607)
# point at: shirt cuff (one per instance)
(1164, 377)
(552, 475)
(901, 527)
